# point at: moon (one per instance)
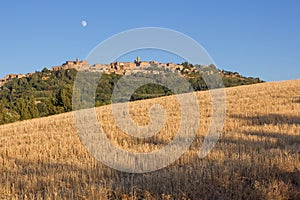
(84, 23)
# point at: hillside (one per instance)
(49, 92)
(257, 156)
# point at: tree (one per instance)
(22, 109)
(32, 108)
(64, 98)
(46, 71)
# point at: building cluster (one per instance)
(122, 68)
(12, 76)
(126, 68)
(73, 65)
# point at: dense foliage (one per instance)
(50, 92)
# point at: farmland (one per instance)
(257, 156)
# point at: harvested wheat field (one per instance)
(257, 156)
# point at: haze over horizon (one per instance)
(259, 39)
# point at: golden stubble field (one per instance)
(257, 156)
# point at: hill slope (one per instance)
(49, 92)
(257, 157)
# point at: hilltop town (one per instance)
(121, 68)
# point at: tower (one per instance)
(138, 59)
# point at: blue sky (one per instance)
(255, 38)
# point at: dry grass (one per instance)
(257, 157)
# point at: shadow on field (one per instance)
(296, 99)
(198, 179)
(261, 169)
(202, 180)
(272, 119)
(282, 138)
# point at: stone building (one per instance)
(171, 65)
(73, 65)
